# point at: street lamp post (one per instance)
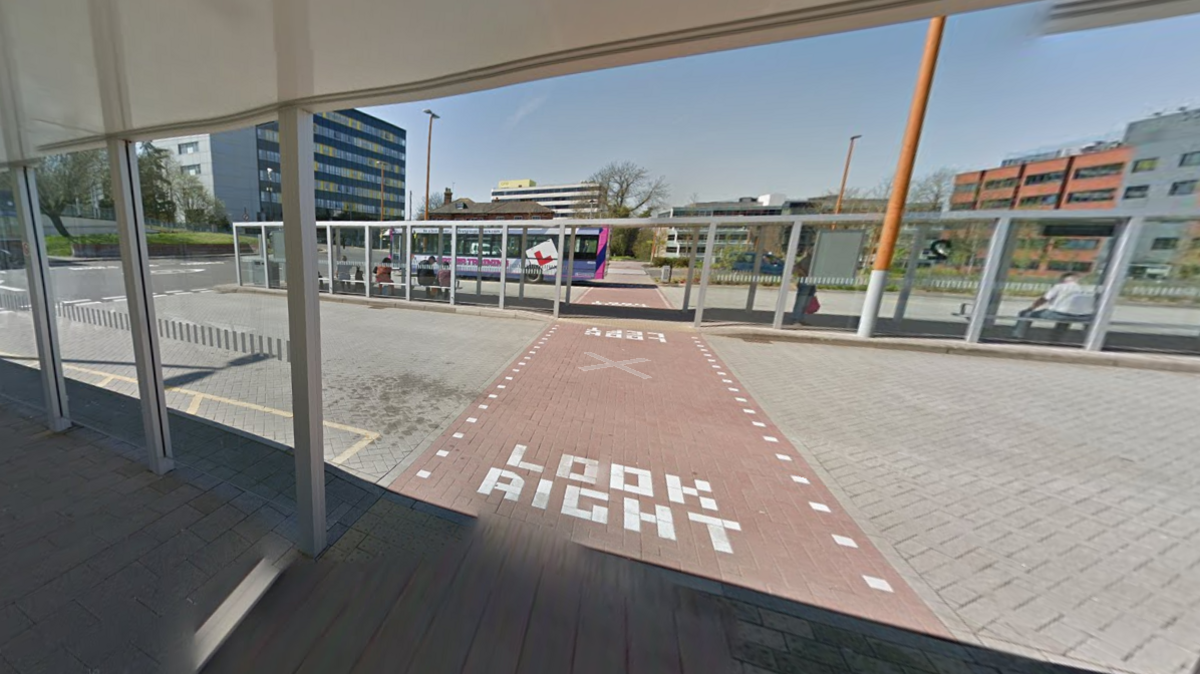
(837, 208)
(428, 154)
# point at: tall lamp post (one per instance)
(428, 154)
(837, 208)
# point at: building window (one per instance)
(1000, 184)
(1145, 164)
(190, 169)
(1190, 159)
(964, 206)
(1089, 196)
(1098, 171)
(1165, 243)
(1076, 244)
(1042, 178)
(1183, 188)
(999, 204)
(1137, 192)
(189, 148)
(1040, 200)
(963, 188)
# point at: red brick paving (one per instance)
(647, 296)
(685, 421)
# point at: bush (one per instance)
(676, 262)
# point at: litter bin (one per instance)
(666, 273)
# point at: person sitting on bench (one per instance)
(1066, 302)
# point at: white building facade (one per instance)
(574, 200)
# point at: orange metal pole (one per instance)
(896, 202)
(908, 149)
(837, 208)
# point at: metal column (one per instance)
(1114, 280)
(687, 287)
(479, 268)
(453, 262)
(328, 255)
(558, 269)
(409, 261)
(910, 271)
(996, 260)
(304, 321)
(704, 273)
(237, 256)
(135, 265)
(368, 273)
(521, 278)
(262, 255)
(571, 262)
(41, 302)
(756, 269)
(789, 266)
(503, 262)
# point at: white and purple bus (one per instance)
(540, 251)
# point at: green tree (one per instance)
(156, 172)
(73, 180)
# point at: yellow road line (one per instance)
(107, 378)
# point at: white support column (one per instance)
(789, 266)
(571, 262)
(705, 271)
(558, 269)
(368, 273)
(304, 321)
(453, 262)
(135, 265)
(330, 272)
(479, 268)
(409, 261)
(41, 301)
(262, 255)
(759, 242)
(992, 268)
(237, 255)
(521, 277)
(1114, 280)
(687, 286)
(503, 262)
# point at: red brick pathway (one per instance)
(656, 452)
(648, 297)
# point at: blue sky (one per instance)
(777, 118)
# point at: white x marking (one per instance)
(620, 365)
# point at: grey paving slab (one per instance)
(1032, 504)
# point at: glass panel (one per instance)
(349, 260)
(89, 291)
(747, 267)
(431, 252)
(19, 376)
(1159, 305)
(387, 267)
(1049, 288)
(224, 354)
(831, 270)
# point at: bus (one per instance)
(541, 246)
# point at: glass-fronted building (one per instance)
(354, 154)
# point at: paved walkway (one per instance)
(642, 444)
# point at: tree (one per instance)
(70, 180)
(156, 172)
(627, 190)
(931, 191)
(436, 201)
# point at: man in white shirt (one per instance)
(1065, 302)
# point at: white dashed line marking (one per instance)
(457, 436)
(878, 584)
(819, 507)
(483, 407)
(471, 420)
(423, 474)
(844, 541)
(800, 480)
(769, 438)
(491, 395)
(759, 424)
(783, 457)
(748, 411)
(742, 400)
(501, 386)
(442, 452)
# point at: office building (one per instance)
(354, 154)
(576, 200)
(676, 239)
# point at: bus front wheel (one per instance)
(533, 274)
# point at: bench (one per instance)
(966, 309)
